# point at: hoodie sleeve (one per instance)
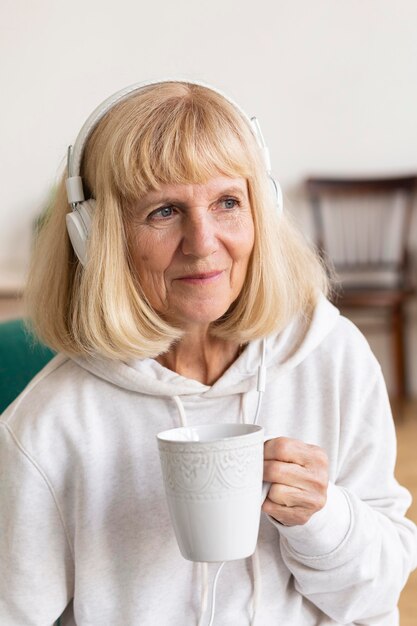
(35, 557)
(353, 557)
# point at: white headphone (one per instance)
(79, 220)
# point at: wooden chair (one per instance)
(362, 228)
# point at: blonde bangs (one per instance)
(187, 137)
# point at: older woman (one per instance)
(184, 273)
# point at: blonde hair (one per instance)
(165, 133)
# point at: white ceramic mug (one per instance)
(213, 483)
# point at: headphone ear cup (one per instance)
(277, 193)
(79, 227)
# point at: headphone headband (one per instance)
(75, 152)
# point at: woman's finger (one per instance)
(294, 451)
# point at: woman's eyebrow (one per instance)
(156, 200)
(147, 202)
(230, 191)
(162, 201)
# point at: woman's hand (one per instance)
(298, 473)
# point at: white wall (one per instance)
(333, 83)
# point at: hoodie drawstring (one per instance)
(257, 585)
(181, 410)
(204, 591)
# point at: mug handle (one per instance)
(265, 485)
(265, 489)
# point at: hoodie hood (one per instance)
(284, 351)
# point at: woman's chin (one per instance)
(195, 318)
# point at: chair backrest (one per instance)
(362, 228)
(21, 358)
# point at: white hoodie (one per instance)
(83, 513)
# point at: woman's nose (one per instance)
(199, 236)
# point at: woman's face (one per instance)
(190, 246)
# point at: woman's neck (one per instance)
(200, 357)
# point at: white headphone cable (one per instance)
(213, 593)
(260, 384)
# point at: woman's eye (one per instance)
(162, 213)
(230, 203)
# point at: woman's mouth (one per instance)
(203, 278)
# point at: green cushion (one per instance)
(21, 358)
